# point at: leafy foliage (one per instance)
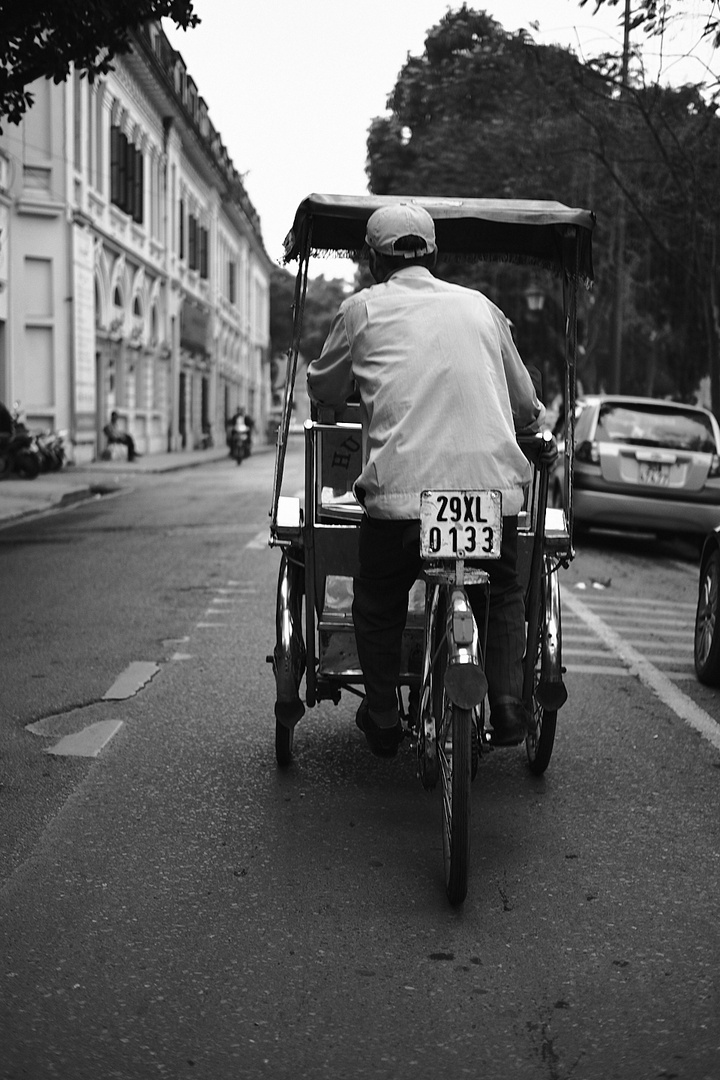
(653, 16)
(42, 39)
(489, 113)
(321, 302)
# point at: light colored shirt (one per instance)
(442, 390)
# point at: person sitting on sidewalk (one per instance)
(115, 434)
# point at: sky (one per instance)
(293, 85)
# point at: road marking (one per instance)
(595, 669)
(181, 656)
(638, 604)
(132, 679)
(88, 742)
(655, 680)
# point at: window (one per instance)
(203, 251)
(192, 242)
(232, 281)
(670, 427)
(181, 245)
(126, 175)
(197, 246)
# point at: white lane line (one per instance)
(595, 669)
(88, 742)
(593, 600)
(585, 652)
(689, 568)
(211, 625)
(655, 680)
(649, 622)
(132, 679)
(658, 635)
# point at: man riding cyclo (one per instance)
(442, 391)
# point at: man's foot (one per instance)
(383, 741)
(509, 721)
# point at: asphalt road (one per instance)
(177, 906)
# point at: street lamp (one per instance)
(535, 297)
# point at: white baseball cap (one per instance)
(388, 224)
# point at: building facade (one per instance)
(133, 276)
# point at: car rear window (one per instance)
(651, 425)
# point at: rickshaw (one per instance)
(442, 688)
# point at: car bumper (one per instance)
(611, 511)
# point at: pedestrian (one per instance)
(443, 392)
(115, 434)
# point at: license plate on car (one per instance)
(460, 524)
(652, 472)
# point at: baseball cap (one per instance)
(389, 223)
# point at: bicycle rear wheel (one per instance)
(455, 753)
(541, 737)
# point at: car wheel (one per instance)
(707, 623)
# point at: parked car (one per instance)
(707, 617)
(644, 464)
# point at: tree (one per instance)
(490, 113)
(322, 300)
(481, 113)
(42, 39)
(653, 15)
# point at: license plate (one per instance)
(460, 524)
(651, 472)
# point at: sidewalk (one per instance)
(23, 498)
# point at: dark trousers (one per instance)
(388, 569)
(126, 440)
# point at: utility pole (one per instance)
(619, 306)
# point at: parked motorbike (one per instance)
(51, 449)
(18, 453)
(240, 441)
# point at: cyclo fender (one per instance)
(465, 681)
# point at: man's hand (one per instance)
(549, 452)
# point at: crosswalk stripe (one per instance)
(660, 683)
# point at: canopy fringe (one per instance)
(458, 257)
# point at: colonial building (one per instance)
(133, 275)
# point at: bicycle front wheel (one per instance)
(455, 753)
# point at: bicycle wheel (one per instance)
(288, 658)
(541, 737)
(283, 744)
(455, 754)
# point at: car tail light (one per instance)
(714, 467)
(588, 452)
